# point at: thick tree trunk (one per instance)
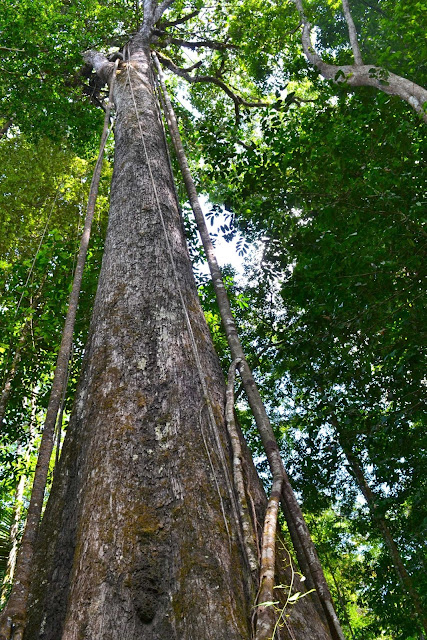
(140, 538)
(281, 483)
(134, 542)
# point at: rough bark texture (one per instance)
(292, 509)
(134, 543)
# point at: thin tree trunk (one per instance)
(11, 562)
(7, 387)
(266, 616)
(303, 563)
(340, 596)
(139, 538)
(382, 525)
(248, 527)
(303, 621)
(13, 619)
(18, 506)
(271, 448)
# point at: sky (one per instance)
(226, 252)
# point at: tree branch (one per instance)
(210, 44)
(352, 32)
(174, 23)
(238, 100)
(100, 63)
(152, 14)
(161, 9)
(363, 75)
(148, 11)
(11, 49)
(196, 65)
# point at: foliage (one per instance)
(334, 190)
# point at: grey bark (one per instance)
(352, 33)
(363, 75)
(304, 621)
(280, 478)
(5, 128)
(303, 563)
(133, 543)
(266, 616)
(248, 527)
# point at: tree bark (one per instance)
(352, 32)
(7, 387)
(139, 539)
(141, 548)
(248, 527)
(5, 127)
(281, 481)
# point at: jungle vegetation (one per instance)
(304, 128)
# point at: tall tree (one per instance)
(147, 446)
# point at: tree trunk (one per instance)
(10, 376)
(5, 127)
(386, 534)
(280, 478)
(7, 387)
(140, 538)
(13, 537)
